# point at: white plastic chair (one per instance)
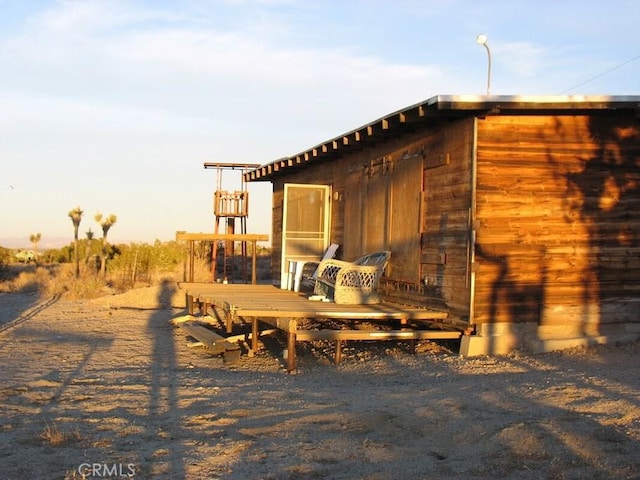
(296, 268)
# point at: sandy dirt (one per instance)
(109, 388)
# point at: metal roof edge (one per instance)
(441, 103)
(459, 102)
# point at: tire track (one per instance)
(29, 313)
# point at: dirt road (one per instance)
(108, 391)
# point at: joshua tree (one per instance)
(76, 217)
(106, 224)
(89, 233)
(35, 238)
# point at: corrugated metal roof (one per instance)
(437, 109)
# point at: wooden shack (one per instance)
(517, 215)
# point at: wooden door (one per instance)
(404, 232)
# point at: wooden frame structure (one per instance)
(214, 237)
(229, 206)
(284, 309)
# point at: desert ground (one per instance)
(108, 388)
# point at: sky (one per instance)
(114, 106)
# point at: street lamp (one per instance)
(482, 40)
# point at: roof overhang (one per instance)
(440, 108)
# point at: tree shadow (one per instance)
(605, 196)
(585, 265)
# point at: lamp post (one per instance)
(482, 40)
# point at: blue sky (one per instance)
(114, 106)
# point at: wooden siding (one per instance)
(412, 196)
(446, 208)
(558, 228)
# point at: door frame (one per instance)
(326, 231)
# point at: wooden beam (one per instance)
(310, 335)
(230, 166)
(210, 340)
(203, 237)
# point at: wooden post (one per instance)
(229, 321)
(254, 277)
(254, 334)
(191, 259)
(338, 358)
(189, 302)
(229, 254)
(291, 345)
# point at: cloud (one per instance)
(123, 57)
(523, 59)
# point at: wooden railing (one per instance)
(230, 204)
(214, 237)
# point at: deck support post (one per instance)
(254, 334)
(189, 303)
(228, 320)
(291, 345)
(338, 357)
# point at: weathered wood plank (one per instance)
(246, 237)
(557, 218)
(210, 340)
(310, 335)
(266, 300)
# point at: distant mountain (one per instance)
(44, 244)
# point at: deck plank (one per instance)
(243, 303)
(267, 300)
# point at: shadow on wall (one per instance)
(600, 199)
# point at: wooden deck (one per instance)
(283, 309)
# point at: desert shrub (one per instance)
(64, 282)
(5, 256)
(53, 279)
(89, 286)
(141, 263)
(29, 279)
(129, 266)
(56, 436)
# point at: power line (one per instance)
(601, 75)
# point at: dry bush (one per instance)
(55, 436)
(88, 285)
(26, 279)
(49, 280)
(201, 271)
(60, 279)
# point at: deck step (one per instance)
(213, 342)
